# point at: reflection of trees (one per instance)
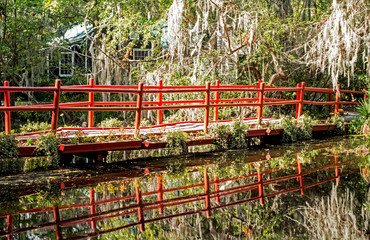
(233, 188)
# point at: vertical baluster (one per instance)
(297, 98)
(301, 99)
(54, 119)
(91, 104)
(7, 119)
(261, 86)
(139, 106)
(160, 99)
(217, 100)
(207, 100)
(337, 96)
(217, 190)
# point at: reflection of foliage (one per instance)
(220, 132)
(177, 139)
(238, 134)
(337, 217)
(9, 201)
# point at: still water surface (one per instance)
(313, 190)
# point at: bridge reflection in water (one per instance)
(161, 195)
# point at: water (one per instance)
(313, 190)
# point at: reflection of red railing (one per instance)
(141, 206)
(159, 105)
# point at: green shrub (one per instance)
(339, 124)
(364, 109)
(111, 123)
(238, 137)
(8, 146)
(47, 145)
(220, 132)
(290, 129)
(304, 127)
(34, 126)
(177, 139)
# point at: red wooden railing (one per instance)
(159, 105)
(138, 208)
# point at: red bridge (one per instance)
(210, 101)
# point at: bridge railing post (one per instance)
(330, 100)
(301, 99)
(160, 99)
(9, 226)
(58, 228)
(217, 100)
(297, 98)
(91, 104)
(54, 119)
(139, 106)
(261, 86)
(8, 126)
(337, 96)
(207, 101)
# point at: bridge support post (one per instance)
(301, 99)
(7, 119)
(91, 104)
(54, 119)
(337, 96)
(217, 100)
(160, 99)
(207, 101)
(139, 106)
(297, 98)
(261, 86)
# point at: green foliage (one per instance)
(221, 133)
(290, 129)
(339, 124)
(8, 146)
(304, 127)
(238, 137)
(111, 123)
(47, 145)
(177, 139)
(355, 126)
(34, 126)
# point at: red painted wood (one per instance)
(197, 142)
(260, 100)
(139, 106)
(301, 100)
(207, 198)
(97, 147)
(297, 98)
(91, 104)
(207, 108)
(217, 100)
(337, 95)
(25, 151)
(160, 99)
(54, 119)
(7, 119)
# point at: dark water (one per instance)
(313, 190)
